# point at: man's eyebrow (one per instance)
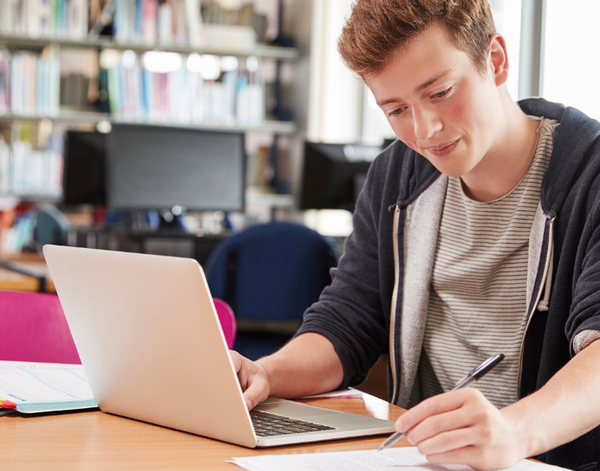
(421, 87)
(432, 80)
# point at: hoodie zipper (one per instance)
(393, 307)
(544, 287)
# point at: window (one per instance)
(507, 16)
(570, 65)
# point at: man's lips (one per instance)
(443, 149)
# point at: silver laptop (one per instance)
(152, 347)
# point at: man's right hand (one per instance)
(307, 364)
(253, 379)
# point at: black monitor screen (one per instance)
(83, 170)
(155, 167)
(334, 174)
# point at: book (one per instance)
(30, 387)
(44, 18)
(194, 26)
(167, 87)
(29, 83)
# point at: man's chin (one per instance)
(452, 171)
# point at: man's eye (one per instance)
(396, 112)
(441, 94)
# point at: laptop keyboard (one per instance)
(269, 425)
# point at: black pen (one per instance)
(471, 377)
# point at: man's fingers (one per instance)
(446, 441)
(236, 359)
(438, 424)
(435, 405)
(460, 427)
(255, 392)
(252, 378)
(243, 368)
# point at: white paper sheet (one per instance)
(405, 459)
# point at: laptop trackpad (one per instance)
(292, 409)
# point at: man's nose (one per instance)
(426, 123)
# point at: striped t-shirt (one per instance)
(477, 304)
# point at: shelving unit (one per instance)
(65, 116)
(258, 50)
(33, 198)
(86, 117)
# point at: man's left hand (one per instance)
(462, 427)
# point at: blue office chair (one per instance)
(270, 274)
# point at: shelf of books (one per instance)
(181, 26)
(174, 61)
(182, 63)
(29, 171)
(207, 83)
(199, 91)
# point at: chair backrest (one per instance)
(34, 328)
(271, 272)
(227, 319)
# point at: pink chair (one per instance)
(34, 328)
(227, 319)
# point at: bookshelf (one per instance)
(36, 38)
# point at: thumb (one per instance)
(257, 390)
(252, 398)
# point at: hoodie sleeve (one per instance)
(584, 319)
(349, 311)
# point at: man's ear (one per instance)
(498, 59)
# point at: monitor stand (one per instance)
(169, 221)
(158, 221)
(136, 221)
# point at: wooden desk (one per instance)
(13, 281)
(98, 441)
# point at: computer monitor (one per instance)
(83, 168)
(160, 167)
(334, 174)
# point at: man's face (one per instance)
(439, 104)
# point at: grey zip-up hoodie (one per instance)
(377, 302)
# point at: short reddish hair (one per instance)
(378, 28)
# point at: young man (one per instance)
(477, 232)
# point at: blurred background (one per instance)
(173, 126)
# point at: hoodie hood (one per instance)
(577, 138)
